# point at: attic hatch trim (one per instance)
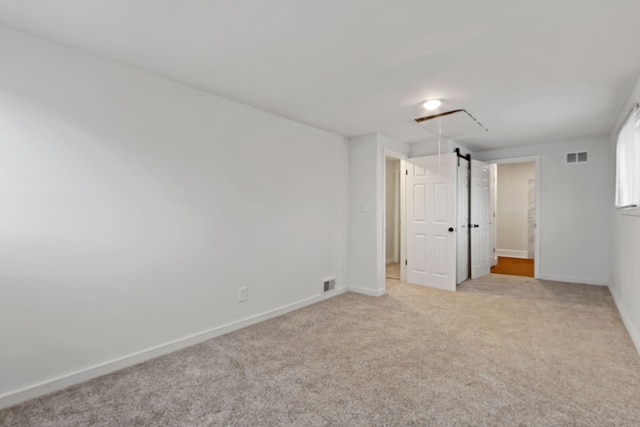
(446, 113)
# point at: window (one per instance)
(628, 162)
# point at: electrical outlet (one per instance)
(243, 294)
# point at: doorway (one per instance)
(495, 248)
(392, 218)
(515, 217)
(441, 248)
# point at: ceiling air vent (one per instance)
(579, 157)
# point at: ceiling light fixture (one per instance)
(432, 104)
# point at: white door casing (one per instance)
(431, 220)
(480, 220)
(462, 230)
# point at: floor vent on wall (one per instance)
(579, 157)
(328, 284)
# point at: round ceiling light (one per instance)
(432, 104)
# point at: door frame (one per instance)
(536, 160)
(382, 261)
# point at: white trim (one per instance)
(569, 279)
(365, 291)
(510, 253)
(633, 332)
(55, 384)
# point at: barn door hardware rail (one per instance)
(446, 113)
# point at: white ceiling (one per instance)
(530, 71)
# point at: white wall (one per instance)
(430, 147)
(366, 210)
(513, 208)
(575, 206)
(625, 272)
(363, 170)
(134, 207)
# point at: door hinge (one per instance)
(406, 171)
(405, 262)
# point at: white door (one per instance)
(480, 218)
(431, 221)
(462, 230)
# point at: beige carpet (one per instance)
(393, 271)
(503, 351)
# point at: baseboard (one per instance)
(509, 253)
(366, 291)
(392, 261)
(568, 279)
(82, 375)
(631, 329)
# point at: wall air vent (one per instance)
(328, 284)
(579, 157)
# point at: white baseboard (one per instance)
(509, 253)
(49, 386)
(366, 291)
(631, 329)
(569, 279)
(392, 261)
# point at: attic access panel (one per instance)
(452, 124)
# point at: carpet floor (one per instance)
(504, 350)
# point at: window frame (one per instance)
(630, 130)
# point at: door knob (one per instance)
(450, 229)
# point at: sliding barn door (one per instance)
(431, 221)
(480, 217)
(462, 230)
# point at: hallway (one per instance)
(514, 266)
